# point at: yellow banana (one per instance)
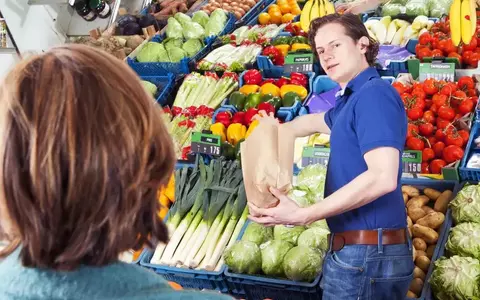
(315, 12)
(305, 15)
(330, 8)
(466, 22)
(473, 17)
(455, 28)
(321, 8)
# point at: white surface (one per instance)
(7, 61)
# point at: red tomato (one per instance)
(428, 154)
(471, 93)
(452, 153)
(425, 168)
(419, 48)
(426, 129)
(429, 116)
(439, 100)
(412, 130)
(466, 83)
(418, 103)
(446, 112)
(430, 87)
(465, 135)
(466, 56)
(466, 106)
(457, 56)
(419, 93)
(424, 39)
(414, 113)
(431, 141)
(422, 53)
(458, 97)
(448, 89)
(436, 166)
(449, 47)
(454, 139)
(442, 124)
(472, 46)
(474, 58)
(434, 108)
(438, 149)
(414, 143)
(437, 53)
(399, 87)
(440, 135)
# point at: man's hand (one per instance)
(358, 6)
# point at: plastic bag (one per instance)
(439, 8)
(417, 8)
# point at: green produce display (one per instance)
(302, 263)
(315, 238)
(244, 257)
(303, 198)
(464, 240)
(149, 87)
(466, 205)
(257, 233)
(312, 179)
(273, 253)
(288, 233)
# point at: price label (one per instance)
(438, 70)
(299, 63)
(206, 143)
(412, 161)
(315, 155)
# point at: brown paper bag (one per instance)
(267, 161)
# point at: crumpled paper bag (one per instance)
(267, 161)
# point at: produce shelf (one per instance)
(465, 172)
(253, 13)
(164, 84)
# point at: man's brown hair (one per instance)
(83, 152)
(353, 27)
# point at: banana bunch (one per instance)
(315, 9)
(463, 21)
(397, 32)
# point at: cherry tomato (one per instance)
(430, 87)
(414, 113)
(412, 130)
(466, 83)
(399, 87)
(425, 168)
(425, 38)
(429, 116)
(472, 45)
(440, 135)
(438, 149)
(426, 129)
(434, 108)
(442, 123)
(428, 154)
(414, 143)
(418, 103)
(439, 100)
(474, 58)
(457, 56)
(446, 112)
(437, 53)
(458, 97)
(466, 106)
(448, 89)
(454, 139)
(471, 93)
(436, 166)
(452, 153)
(465, 135)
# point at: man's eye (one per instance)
(320, 51)
(336, 45)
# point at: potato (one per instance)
(421, 253)
(422, 262)
(414, 253)
(405, 198)
(433, 220)
(238, 15)
(416, 213)
(419, 244)
(250, 3)
(427, 209)
(432, 193)
(430, 250)
(409, 222)
(429, 235)
(418, 201)
(418, 273)
(412, 295)
(441, 205)
(416, 286)
(410, 191)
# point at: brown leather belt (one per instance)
(368, 237)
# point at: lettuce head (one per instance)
(174, 29)
(302, 264)
(192, 46)
(466, 205)
(257, 233)
(273, 253)
(192, 30)
(201, 18)
(464, 240)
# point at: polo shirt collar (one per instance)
(357, 82)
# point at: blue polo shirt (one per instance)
(368, 114)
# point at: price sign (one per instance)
(315, 155)
(412, 161)
(206, 143)
(299, 63)
(438, 70)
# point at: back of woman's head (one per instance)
(83, 151)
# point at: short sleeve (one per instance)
(328, 117)
(380, 118)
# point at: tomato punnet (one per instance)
(465, 135)
(439, 99)
(425, 38)
(452, 153)
(429, 116)
(428, 154)
(454, 139)
(436, 166)
(438, 149)
(440, 135)
(426, 129)
(415, 113)
(466, 83)
(446, 112)
(425, 168)
(442, 123)
(412, 130)
(415, 143)
(472, 45)
(466, 106)
(399, 87)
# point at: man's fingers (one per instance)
(257, 211)
(276, 193)
(263, 220)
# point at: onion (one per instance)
(250, 3)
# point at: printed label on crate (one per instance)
(315, 155)
(412, 161)
(299, 62)
(206, 143)
(438, 70)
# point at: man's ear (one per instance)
(363, 44)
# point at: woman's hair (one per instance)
(354, 28)
(83, 152)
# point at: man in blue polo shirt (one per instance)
(370, 253)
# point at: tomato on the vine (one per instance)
(430, 87)
(414, 113)
(399, 87)
(424, 39)
(438, 149)
(466, 56)
(415, 143)
(474, 58)
(419, 93)
(437, 53)
(442, 123)
(436, 166)
(447, 90)
(424, 52)
(440, 135)
(454, 139)
(465, 135)
(446, 112)
(449, 47)
(428, 154)
(472, 45)
(471, 93)
(426, 129)
(412, 130)
(432, 141)
(440, 100)
(466, 83)
(466, 106)
(429, 116)
(457, 56)
(425, 168)
(452, 153)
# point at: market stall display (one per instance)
(388, 31)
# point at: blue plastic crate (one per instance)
(253, 13)
(164, 84)
(470, 174)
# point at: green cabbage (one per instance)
(320, 223)
(163, 56)
(192, 46)
(213, 28)
(151, 52)
(392, 9)
(176, 54)
(172, 42)
(149, 87)
(439, 8)
(315, 237)
(257, 233)
(302, 198)
(312, 179)
(192, 30)
(456, 278)
(182, 18)
(219, 15)
(464, 240)
(417, 8)
(466, 205)
(174, 29)
(244, 257)
(302, 264)
(288, 233)
(273, 253)
(200, 17)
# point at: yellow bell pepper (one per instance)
(270, 88)
(299, 90)
(249, 89)
(283, 48)
(235, 133)
(219, 129)
(251, 127)
(297, 46)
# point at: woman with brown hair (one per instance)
(83, 152)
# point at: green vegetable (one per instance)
(464, 240)
(315, 238)
(149, 87)
(302, 264)
(228, 150)
(282, 40)
(201, 18)
(237, 99)
(253, 100)
(182, 18)
(172, 42)
(275, 101)
(320, 223)
(439, 8)
(176, 54)
(302, 197)
(299, 40)
(392, 9)
(174, 29)
(257, 233)
(151, 52)
(215, 25)
(192, 30)
(466, 205)
(290, 98)
(273, 253)
(456, 278)
(312, 179)
(417, 8)
(244, 257)
(219, 15)
(192, 46)
(288, 233)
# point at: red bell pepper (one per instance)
(249, 114)
(203, 110)
(291, 28)
(185, 152)
(267, 107)
(270, 80)
(282, 81)
(298, 79)
(279, 60)
(252, 77)
(224, 117)
(271, 52)
(239, 117)
(300, 32)
(176, 110)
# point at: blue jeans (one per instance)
(359, 272)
